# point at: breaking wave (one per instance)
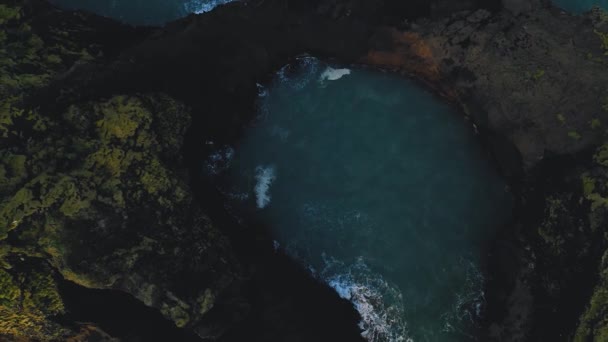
(202, 6)
(331, 74)
(379, 303)
(264, 176)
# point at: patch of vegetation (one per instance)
(603, 40)
(98, 168)
(538, 75)
(574, 135)
(593, 325)
(27, 299)
(94, 167)
(601, 155)
(8, 13)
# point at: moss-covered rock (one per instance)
(96, 189)
(106, 204)
(593, 324)
(28, 297)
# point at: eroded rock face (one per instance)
(533, 80)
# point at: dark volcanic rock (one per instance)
(532, 80)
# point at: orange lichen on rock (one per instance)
(408, 52)
(90, 332)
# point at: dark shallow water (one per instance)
(377, 187)
(580, 6)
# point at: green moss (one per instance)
(206, 301)
(100, 160)
(53, 59)
(588, 184)
(121, 117)
(100, 165)
(561, 118)
(60, 192)
(42, 294)
(591, 194)
(595, 123)
(593, 324)
(13, 170)
(178, 314)
(589, 329)
(27, 300)
(154, 178)
(538, 75)
(8, 13)
(603, 40)
(111, 160)
(8, 114)
(9, 291)
(601, 155)
(574, 135)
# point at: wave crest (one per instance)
(331, 74)
(379, 303)
(202, 6)
(264, 176)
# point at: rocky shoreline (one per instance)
(532, 79)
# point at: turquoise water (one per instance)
(378, 188)
(580, 6)
(142, 12)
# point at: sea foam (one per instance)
(299, 73)
(202, 6)
(331, 74)
(264, 176)
(371, 295)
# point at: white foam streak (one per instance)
(202, 6)
(331, 74)
(264, 176)
(378, 302)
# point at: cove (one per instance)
(580, 6)
(376, 186)
(142, 12)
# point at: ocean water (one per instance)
(580, 6)
(377, 187)
(142, 12)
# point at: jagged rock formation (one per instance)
(97, 193)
